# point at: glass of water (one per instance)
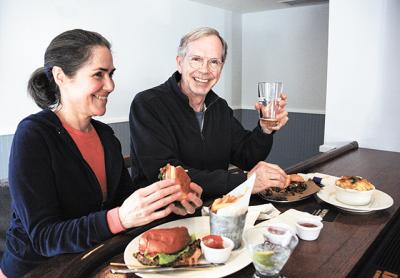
(268, 96)
(268, 258)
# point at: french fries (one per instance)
(225, 201)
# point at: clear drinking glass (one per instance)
(268, 258)
(269, 96)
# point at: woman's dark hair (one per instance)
(69, 51)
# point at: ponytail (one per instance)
(43, 90)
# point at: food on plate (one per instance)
(216, 249)
(213, 241)
(295, 178)
(354, 182)
(296, 184)
(225, 201)
(180, 176)
(354, 190)
(168, 247)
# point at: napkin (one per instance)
(290, 217)
(319, 178)
(266, 211)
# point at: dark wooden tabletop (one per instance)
(339, 248)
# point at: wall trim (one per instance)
(7, 132)
(293, 110)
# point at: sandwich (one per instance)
(168, 247)
(180, 176)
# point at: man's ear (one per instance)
(59, 75)
(179, 61)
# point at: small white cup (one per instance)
(308, 228)
(278, 233)
(216, 256)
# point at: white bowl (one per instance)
(278, 233)
(308, 228)
(353, 197)
(216, 256)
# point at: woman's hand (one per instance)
(268, 175)
(192, 202)
(144, 205)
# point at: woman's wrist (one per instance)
(114, 222)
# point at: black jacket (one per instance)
(164, 129)
(56, 199)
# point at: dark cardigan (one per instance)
(164, 129)
(56, 199)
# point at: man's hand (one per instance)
(281, 116)
(268, 175)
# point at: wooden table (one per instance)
(337, 251)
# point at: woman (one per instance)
(69, 188)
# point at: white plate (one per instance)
(380, 200)
(200, 227)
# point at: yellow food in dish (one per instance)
(355, 182)
(225, 201)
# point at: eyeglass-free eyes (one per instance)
(197, 62)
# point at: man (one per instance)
(183, 122)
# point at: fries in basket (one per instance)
(225, 201)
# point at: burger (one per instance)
(168, 247)
(180, 176)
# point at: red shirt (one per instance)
(90, 146)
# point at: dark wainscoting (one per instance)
(5, 214)
(298, 140)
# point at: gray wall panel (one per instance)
(121, 131)
(297, 141)
(5, 147)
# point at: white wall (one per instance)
(144, 35)
(289, 45)
(233, 67)
(363, 92)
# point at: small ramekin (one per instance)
(308, 233)
(353, 197)
(216, 256)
